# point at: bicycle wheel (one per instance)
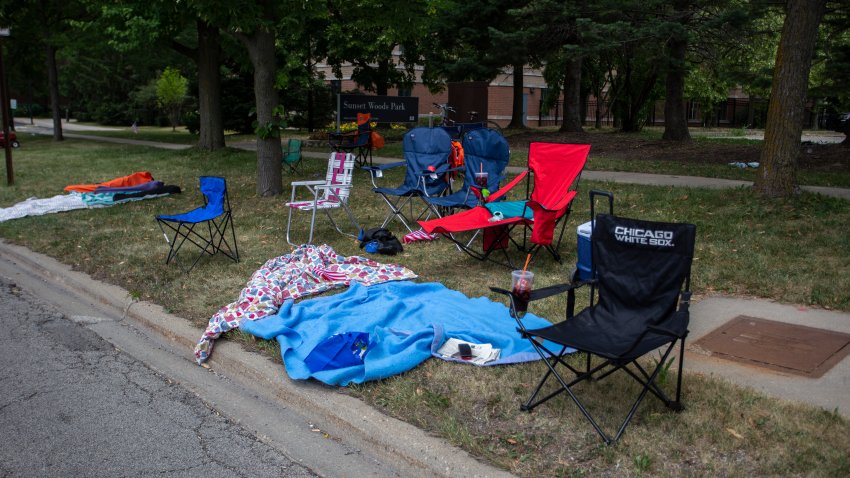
(493, 125)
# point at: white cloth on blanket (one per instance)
(37, 207)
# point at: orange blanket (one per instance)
(131, 180)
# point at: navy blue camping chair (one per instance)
(639, 300)
(426, 155)
(457, 130)
(484, 150)
(205, 226)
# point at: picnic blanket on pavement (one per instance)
(307, 270)
(406, 324)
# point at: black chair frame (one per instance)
(209, 241)
(627, 360)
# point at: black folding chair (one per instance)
(357, 142)
(639, 296)
(205, 226)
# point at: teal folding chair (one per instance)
(292, 155)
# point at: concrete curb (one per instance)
(386, 438)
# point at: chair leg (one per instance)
(209, 245)
(350, 218)
(677, 404)
(551, 360)
(396, 211)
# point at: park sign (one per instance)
(384, 109)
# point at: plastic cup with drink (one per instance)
(481, 180)
(521, 284)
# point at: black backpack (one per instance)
(380, 240)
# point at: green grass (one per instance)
(615, 161)
(793, 251)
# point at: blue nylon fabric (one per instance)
(407, 323)
(423, 147)
(483, 150)
(213, 188)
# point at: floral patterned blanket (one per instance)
(307, 270)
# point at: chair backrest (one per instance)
(641, 266)
(425, 147)
(556, 168)
(364, 130)
(485, 150)
(214, 189)
(340, 169)
(293, 151)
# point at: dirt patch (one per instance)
(813, 157)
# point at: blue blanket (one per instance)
(406, 323)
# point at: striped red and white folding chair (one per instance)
(325, 195)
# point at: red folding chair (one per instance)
(551, 180)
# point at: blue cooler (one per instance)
(584, 263)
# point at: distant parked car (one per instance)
(13, 137)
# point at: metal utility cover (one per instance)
(795, 349)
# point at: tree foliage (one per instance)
(171, 89)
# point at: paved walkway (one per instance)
(45, 127)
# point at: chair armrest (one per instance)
(333, 186)
(538, 294)
(383, 167)
(443, 169)
(341, 135)
(542, 293)
(308, 183)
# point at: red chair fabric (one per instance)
(554, 169)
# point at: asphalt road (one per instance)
(74, 405)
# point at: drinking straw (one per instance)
(480, 167)
(527, 259)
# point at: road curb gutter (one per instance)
(384, 437)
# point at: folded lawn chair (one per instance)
(426, 155)
(359, 140)
(484, 150)
(555, 170)
(639, 296)
(326, 195)
(292, 155)
(205, 226)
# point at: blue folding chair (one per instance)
(205, 226)
(484, 151)
(426, 155)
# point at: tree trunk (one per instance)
(675, 118)
(516, 114)
(777, 173)
(382, 79)
(211, 135)
(261, 49)
(572, 97)
(53, 86)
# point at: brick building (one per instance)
(495, 98)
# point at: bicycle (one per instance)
(449, 123)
